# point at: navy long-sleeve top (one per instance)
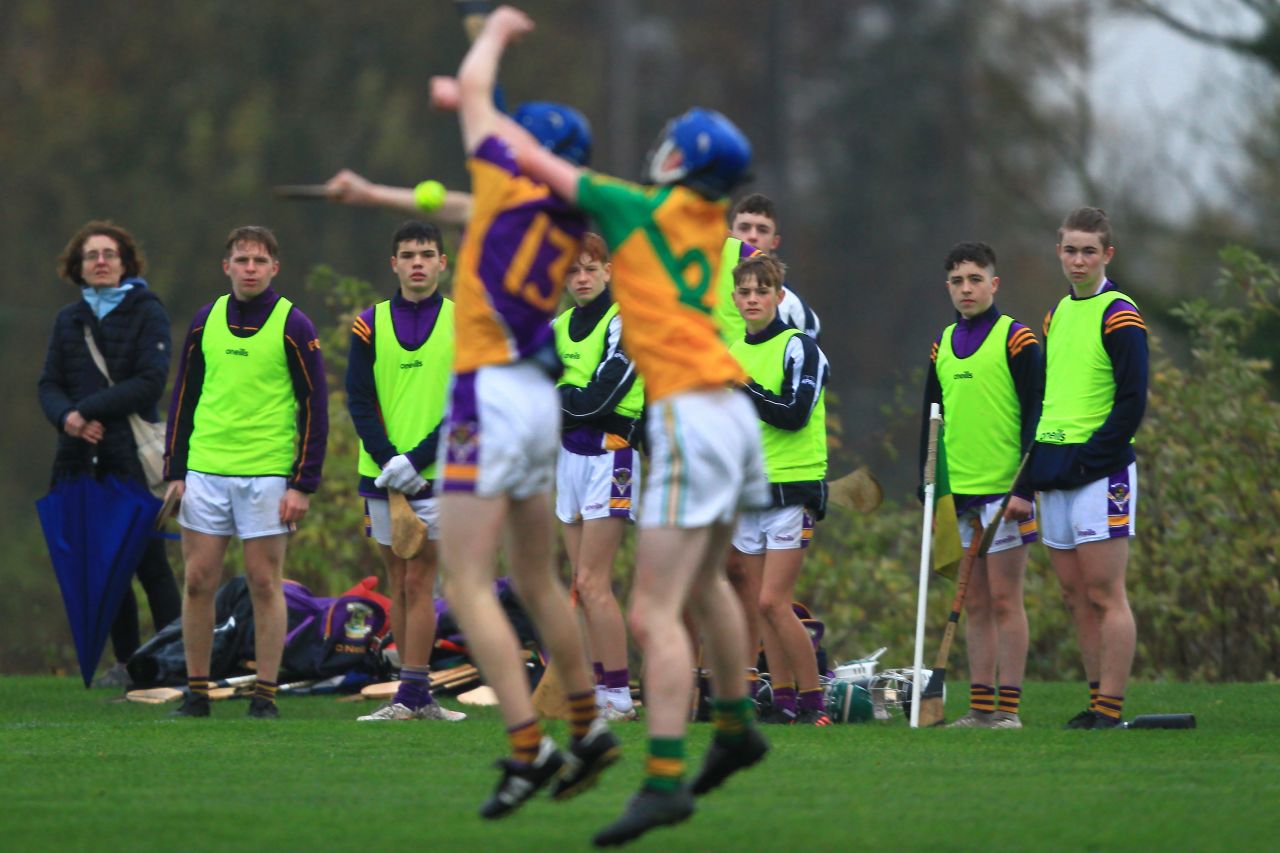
(306, 368)
(412, 323)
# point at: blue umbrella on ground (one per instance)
(96, 531)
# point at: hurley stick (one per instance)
(931, 703)
(408, 532)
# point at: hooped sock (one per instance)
(1010, 699)
(1093, 695)
(664, 766)
(732, 718)
(582, 713)
(265, 690)
(982, 698)
(198, 686)
(414, 691)
(525, 739)
(1110, 706)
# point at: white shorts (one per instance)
(705, 460)
(1009, 535)
(502, 432)
(248, 507)
(377, 513)
(1103, 509)
(778, 529)
(604, 486)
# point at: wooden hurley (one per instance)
(302, 192)
(408, 532)
(858, 491)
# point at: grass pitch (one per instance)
(81, 772)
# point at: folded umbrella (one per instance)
(96, 531)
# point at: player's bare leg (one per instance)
(1004, 572)
(593, 545)
(470, 528)
(781, 570)
(202, 556)
(264, 571)
(1102, 568)
(746, 575)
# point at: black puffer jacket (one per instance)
(134, 339)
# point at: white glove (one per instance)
(399, 474)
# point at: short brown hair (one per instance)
(1091, 220)
(254, 234)
(593, 246)
(757, 203)
(765, 269)
(71, 261)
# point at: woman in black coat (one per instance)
(131, 329)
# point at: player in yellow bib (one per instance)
(986, 371)
(1083, 464)
(397, 379)
(705, 458)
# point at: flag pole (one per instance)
(926, 541)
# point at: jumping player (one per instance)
(788, 375)
(503, 426)
(705, 459)
(597, 477)
(244, 450)
(1083, 462)
(986, 370)
(397, 379)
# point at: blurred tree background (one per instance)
(886, 129)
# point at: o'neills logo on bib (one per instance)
(965, 375)
(409, 365)
(242, 351)
(1056, 436)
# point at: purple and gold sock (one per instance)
(982, 698)
(784, 698)
(265, 690)
(582, 713)
(1110, 706)
(525, 739)
(414, 691)
(1010, 699)
(1093, 694)
(664, 766)
(198, 686)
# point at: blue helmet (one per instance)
(713, 153)
(561, 130)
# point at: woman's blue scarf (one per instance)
(102, 300)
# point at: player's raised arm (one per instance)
(478, 75)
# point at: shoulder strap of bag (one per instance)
(96, 354)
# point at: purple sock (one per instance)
(811, 700)
(784, 698)
(598, 668)
(415, 687)
(616, 679)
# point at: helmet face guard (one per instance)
(560, 129)
(702, 150)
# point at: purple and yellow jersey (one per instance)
(512, 263)
(667, 244)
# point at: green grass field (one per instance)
(82, 772)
